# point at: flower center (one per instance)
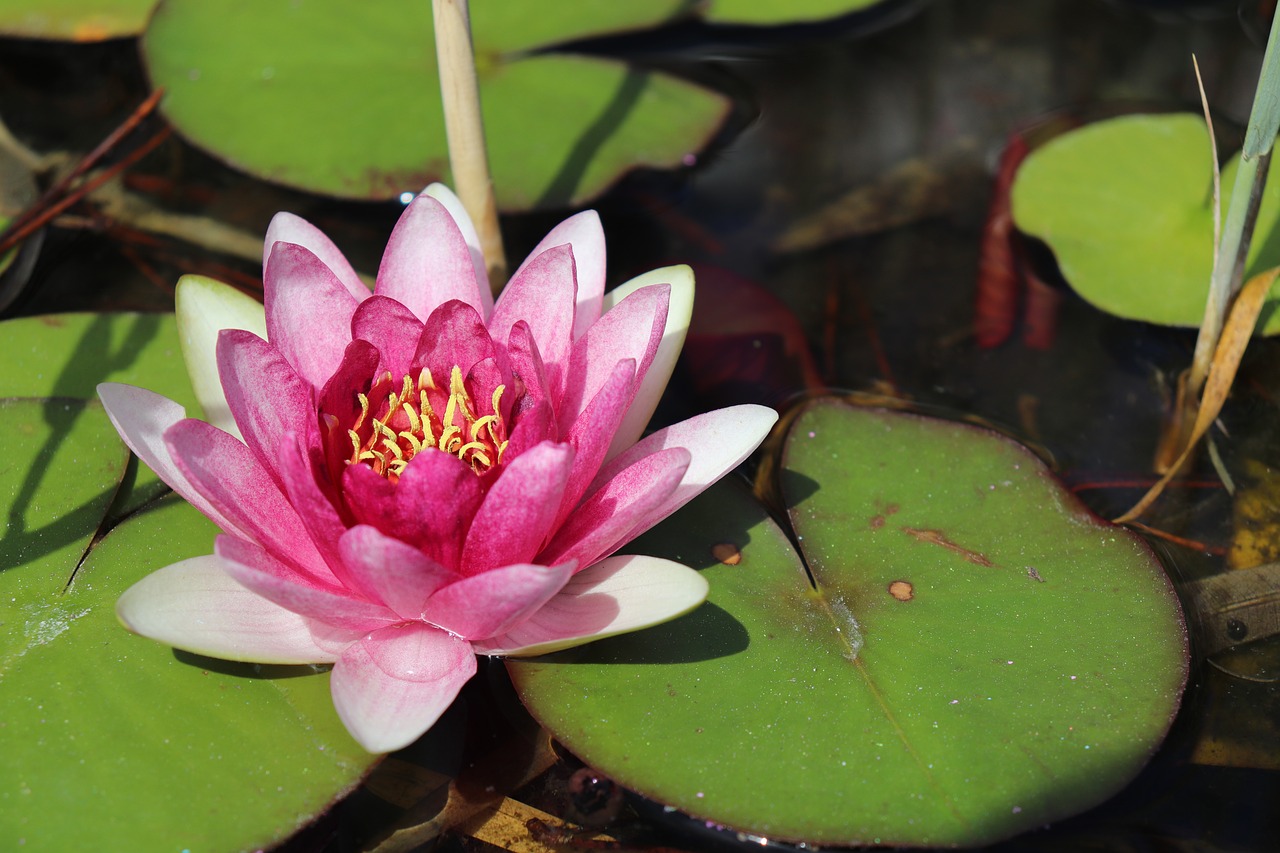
(396, 422)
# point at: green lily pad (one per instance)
(1125, 205)
(112, 741)
(67, 355)
(772, 12)
(344, 98)
(980, 656)
(74, 20)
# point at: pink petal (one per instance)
(534, 423)
(430, 508)
(492, 602)
(453, 204)
(142, 418)
(717, 442)
(593, 433)
(605, 521)
(392, 685)
(287, 228)
(230, 477)
(542, 294)
(308, 312)
(632, 330)
(519, 509)
(391, 328)
(612, 597)
(427, 262)
(195, 605)
(257, 570)
(654, 382)
(265, 396)
(299, 462)
(526, 362)
(400, 576)
(583, 233)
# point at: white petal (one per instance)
(612, 597)
(679, 313)
(196, 606)
(205, 307)
(453, 204)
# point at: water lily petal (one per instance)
(593, 432)
(288, 228)
(454, 334)
(142, 418)
(308, 312)
(654, 381)
(526, 362)
(270, 578)
(585, 235)
(604, 522)
(400, 576)
(229, 476)
(453, 204)
(392, 685)
(717, 441)
(195, 605)
(542, 294)
(493, 602)
(430, 508)
(632, 329)
(299, 462)
(519, 509)
(614, 596)
(427, 262)
(204, 307)
(266, 397)
(392, 328)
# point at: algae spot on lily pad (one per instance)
(1125, 204)
(980, 655)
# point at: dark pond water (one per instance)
(852, 185)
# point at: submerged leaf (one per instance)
(344, 98)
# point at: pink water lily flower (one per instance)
(409, 477)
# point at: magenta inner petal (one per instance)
(518, 512)
(430, 508)
(392, 328)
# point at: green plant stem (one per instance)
(1246, 198)
(464, 126)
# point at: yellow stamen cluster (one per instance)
(396, 424)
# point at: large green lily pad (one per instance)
(76, 20)
(67, 355)
(980, 655)
(112, 741)
(344, 98)
(774, 12)
(1125, 205)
